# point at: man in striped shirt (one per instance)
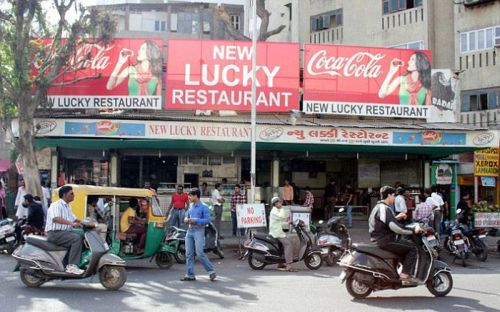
(309, 201)
(60, 223)
(238, 198)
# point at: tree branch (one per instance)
(67, 83)
(222, 15)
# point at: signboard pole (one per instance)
(254, 109)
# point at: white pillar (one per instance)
(275, 176)
(427, 174)
(114, 170)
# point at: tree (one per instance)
(262, 13)
(23, 28)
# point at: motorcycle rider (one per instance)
(276, 219)
(384, 228)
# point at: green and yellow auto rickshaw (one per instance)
(106, 205)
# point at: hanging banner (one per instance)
(486, 163)
(124, 74)
(217, 75)
(367, 81)
(444, 87)
(443, 174)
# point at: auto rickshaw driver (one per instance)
(130, 223)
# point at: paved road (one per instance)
(238, 288)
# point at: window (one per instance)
(480, 39)
(173, 22)
(391, 6)
(235, 22)
(160, 25)
(479, 100)
(327, 20)
(414, 45)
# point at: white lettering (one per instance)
(361, 64)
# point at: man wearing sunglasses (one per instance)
(59, 228)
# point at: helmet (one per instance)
(275, 200)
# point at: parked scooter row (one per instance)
(333, 238)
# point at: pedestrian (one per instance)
(21, 212)
(330, 198)
(276, 219)
(348, 200)
(287, 193)
(59, 228)
(399, 202)
(309, 200)
(217, 202)
(178, 206)
(424, 210)
(45, 196)
(3, 206)
(438, 209)
(464, 209)
(238, 198)
(410, 204)
(198, 216)
(204, 189)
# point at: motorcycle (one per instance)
(263, 249)
(477, 240)
(40, 261)
(457, 243)
(176, 238)
(8, 239)
(333, 239)
(368, 268)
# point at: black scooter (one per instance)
(40, 261)
(176, 237)
(368, 268)
(263, 249)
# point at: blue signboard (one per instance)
(429, 137)
(105, 128)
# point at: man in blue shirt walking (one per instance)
(198, 216)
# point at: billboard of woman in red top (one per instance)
(414, 85)
(144, 74)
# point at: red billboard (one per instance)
(126, 74)
(367, 81)
(217, 75)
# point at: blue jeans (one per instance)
(349, 215)
(195, 240)
(176, 217)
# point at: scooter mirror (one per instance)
(459, 211)
(341, 210)
(320, 222)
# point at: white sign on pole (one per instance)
(250, 216)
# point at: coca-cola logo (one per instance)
(483, 138)
(87, 56)
(46, 126)
(271, 133)
(361, 64)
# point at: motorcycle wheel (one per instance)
(313, 261)
(112, 277)
(164, 260)
(482, 255)
(440, 284)
(180, 255)
(447, 244)
(31, 280)
(218, 251)
(462, 257)
(356, 289)
(254, 263)
(330, 260)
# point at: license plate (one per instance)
(10, 239)
(482, 236)
(431, 238)
(458, 242)
(324, 251)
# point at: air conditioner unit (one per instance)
(469, 3)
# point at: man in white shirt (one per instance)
(60, 223)
(45, 197)
(217, 201)
(438, 209)
(399, 202)
(21, 212)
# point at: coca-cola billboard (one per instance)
(123, 74)
(217, 75)
(367, 81)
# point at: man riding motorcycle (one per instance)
(384, 227)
